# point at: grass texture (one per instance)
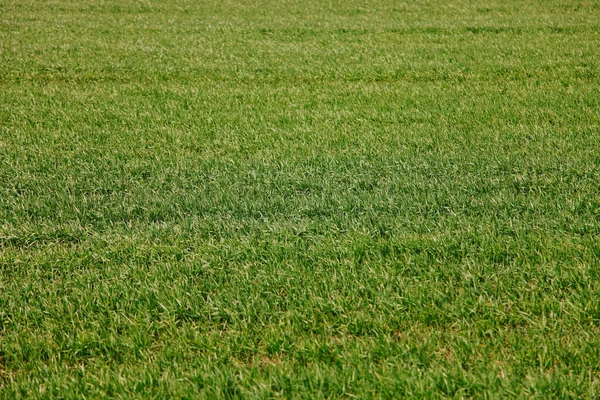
(299, 199)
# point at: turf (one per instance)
(300, 199)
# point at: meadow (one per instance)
(299, 199)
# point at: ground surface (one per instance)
(299, 199)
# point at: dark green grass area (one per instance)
(299, 199)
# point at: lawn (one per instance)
(299, 199)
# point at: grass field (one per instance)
(299, 199)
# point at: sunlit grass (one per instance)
(299, 199)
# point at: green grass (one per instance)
(300, 199)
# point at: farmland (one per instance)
(299, 199)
